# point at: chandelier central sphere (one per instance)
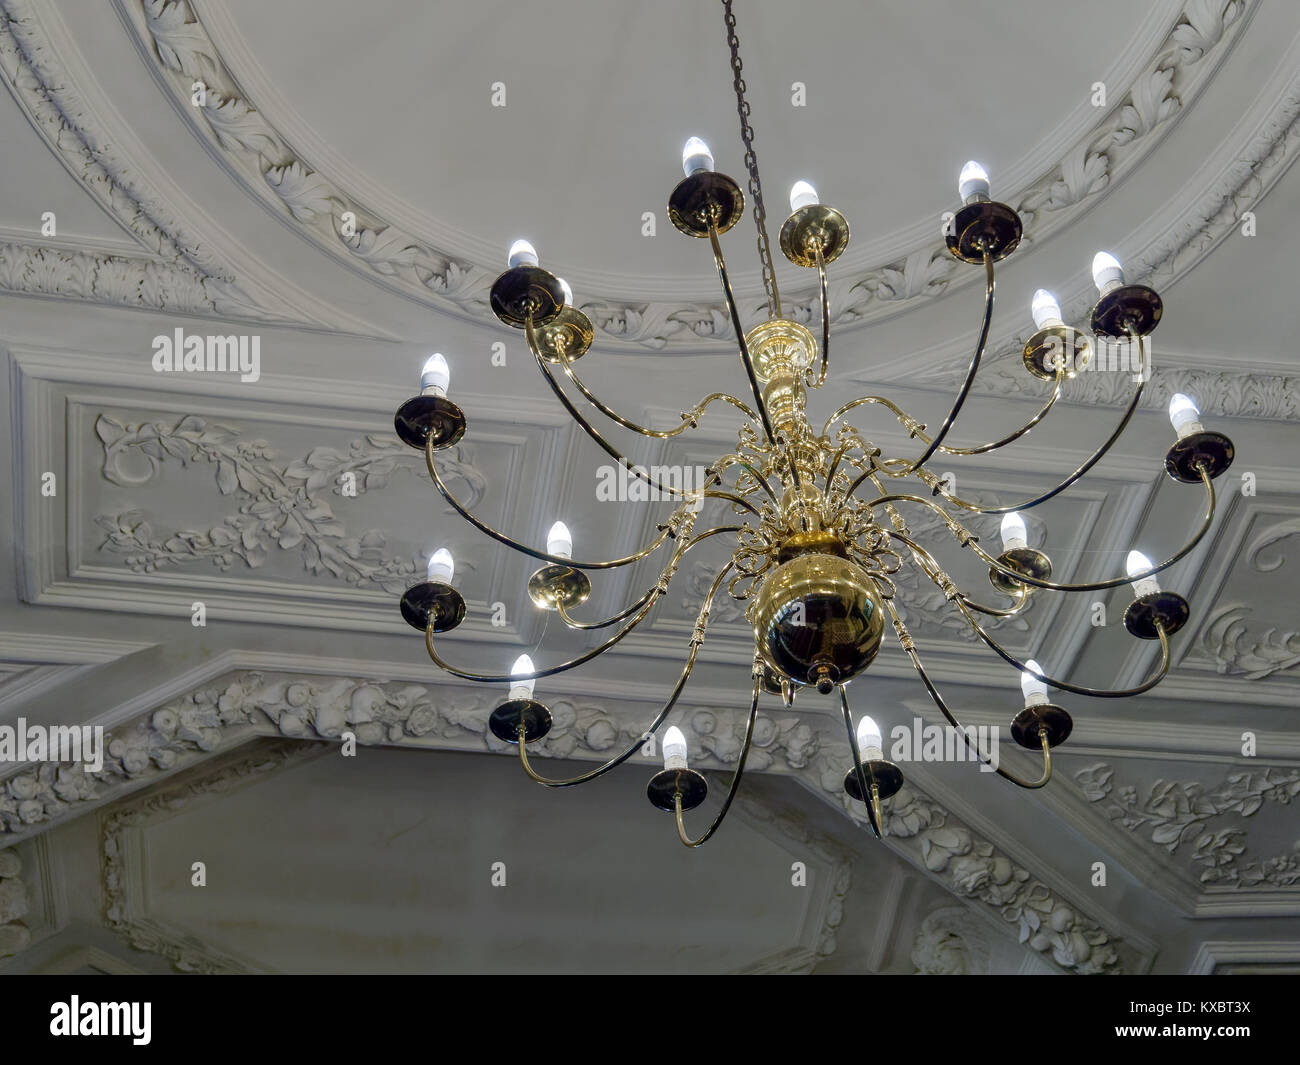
(814, 551)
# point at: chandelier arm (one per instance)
(960, 401)
(745, 357)
(1074, 689)
(930, 567)
(898, 412)
(735, 780)
(909, 646)
(873, 807)
(1092, 460)
(628, 611)
(689, 418)
(587, 427)
(826, 325)
(697, 639)
(985, 448)
(544, 556)
(736, 460)
(966, 539)
(503, 678)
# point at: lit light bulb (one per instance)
(870, 745)
(1045, 309)
(568, 292)
(522, 689)
(1183, 413)
(973, 182)
(1014, 533)
(559, 541)
(1107, 273)
(674, 748)
(441, 567)
(802, 194)
(1035, 690)
(1139, 563)
(521, 254)
(696, 156)
(435, 376)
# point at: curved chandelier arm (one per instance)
(543, 556)
(682, 834)
(736, 460)
(873, 806)
(745, 357)
(968, 540)
(1091, 461)
(912, 425)
(622, 614)
(985, 448)
(689, 418)
(931, 568)
(702, 623)
(504, 678)
(587, 427)
(1075, 689)
(960, 401)
(909, 645)
(826, 326)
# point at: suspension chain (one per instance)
(751, 164)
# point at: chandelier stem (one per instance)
(682, 834)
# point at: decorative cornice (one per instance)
(242, 706)
(315, 201)
(177, 270)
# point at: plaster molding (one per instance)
(950, 943)
(1203, 825)
(14, 934)
(181, 267)
(304, 195)
(242, 706)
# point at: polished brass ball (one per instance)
(818, 620)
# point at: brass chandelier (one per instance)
(813, 559)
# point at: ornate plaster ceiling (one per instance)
(177, 489)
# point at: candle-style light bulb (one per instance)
(521, 254)
(568, 292)
(523, 688)
(1035, 690)
(1014, 534)
(973, 182)
(1107, 274)
(870, 745)
(802, 194)
(1045, 309)
(674, 748)
(1185, 415)
(441, 567)
(1139, 563)
(559, 541)
(696, 156)
(435, 376)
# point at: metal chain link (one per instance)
(751, 164)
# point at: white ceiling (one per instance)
(227, 220)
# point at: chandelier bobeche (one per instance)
(812, 558)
